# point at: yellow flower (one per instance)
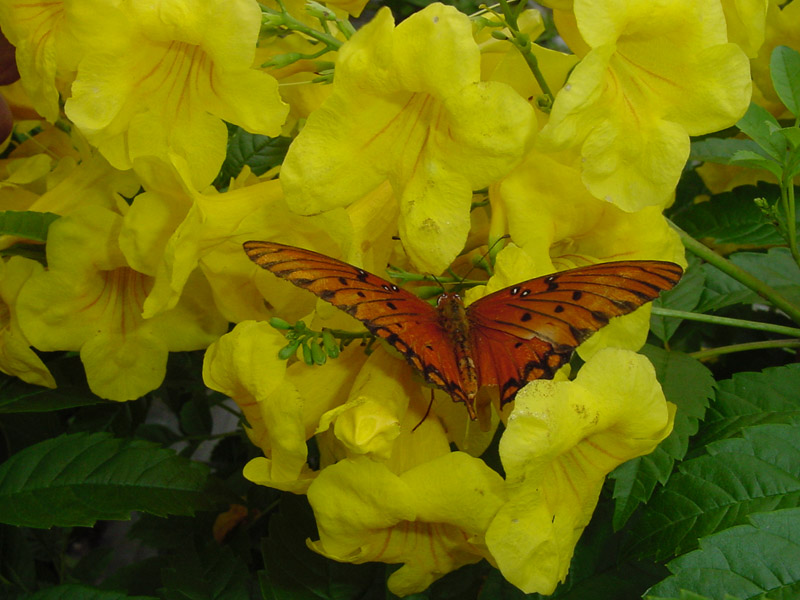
(431, 517)
(782, 29)
(16, 357)
(244, 365)
(50, 40)
(185, 66)
(562, 439)
(90, 300)
(407, 106)
(657, 72)
(205, 230)
(746, 20)
(72, 185)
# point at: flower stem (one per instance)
(711, 352)
(789, 210)
(522, 42)
(742, 323)
(762, 289)
(284, 19)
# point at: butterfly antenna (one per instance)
(425, 416)
(481, 259)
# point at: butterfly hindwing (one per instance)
(406, 322)
(529, 330)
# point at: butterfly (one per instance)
(521, 333)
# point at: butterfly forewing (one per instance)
(407, 323)
(529, 330)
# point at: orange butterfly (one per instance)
(508, 338)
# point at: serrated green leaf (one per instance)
(733, 217)
(78, 479)
(748, 399)
(739, 476)
(756, 124)
(784, 69)
(776, 268)
(688, 385)
(757, 560)
(720, 150)
(71, 591)
(30, 225)
(259, 152)
(215, 574)
(683, 296)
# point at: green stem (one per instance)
(293, 24)
(789, 209)
(690, 316)
(522, 42)
(711, 352)
(767, 292)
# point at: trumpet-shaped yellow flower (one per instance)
(50, 39)
(244, 365)
(656, 73)
(184, 68)
(562, 439)
(408, 106)
(431, 517)
(91, 300)
(16, 356)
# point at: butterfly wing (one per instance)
(529, 330)
(407, 323)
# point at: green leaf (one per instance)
(720, 150)
(16, 396)
(71, 591)
(683, 296)
(78, 479)
(17, 561)
(688, 385)
(739, 476)
(748, 399)
(784, 68)
(214, 574)
(775, 267)
(753, 160)
(757, 560)
(30, 225)
(259, 152)
(733, 217)
(756, 124)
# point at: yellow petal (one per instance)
(561, 440)
(457, 133)
(16, 356)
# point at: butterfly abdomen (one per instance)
(453, 319)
